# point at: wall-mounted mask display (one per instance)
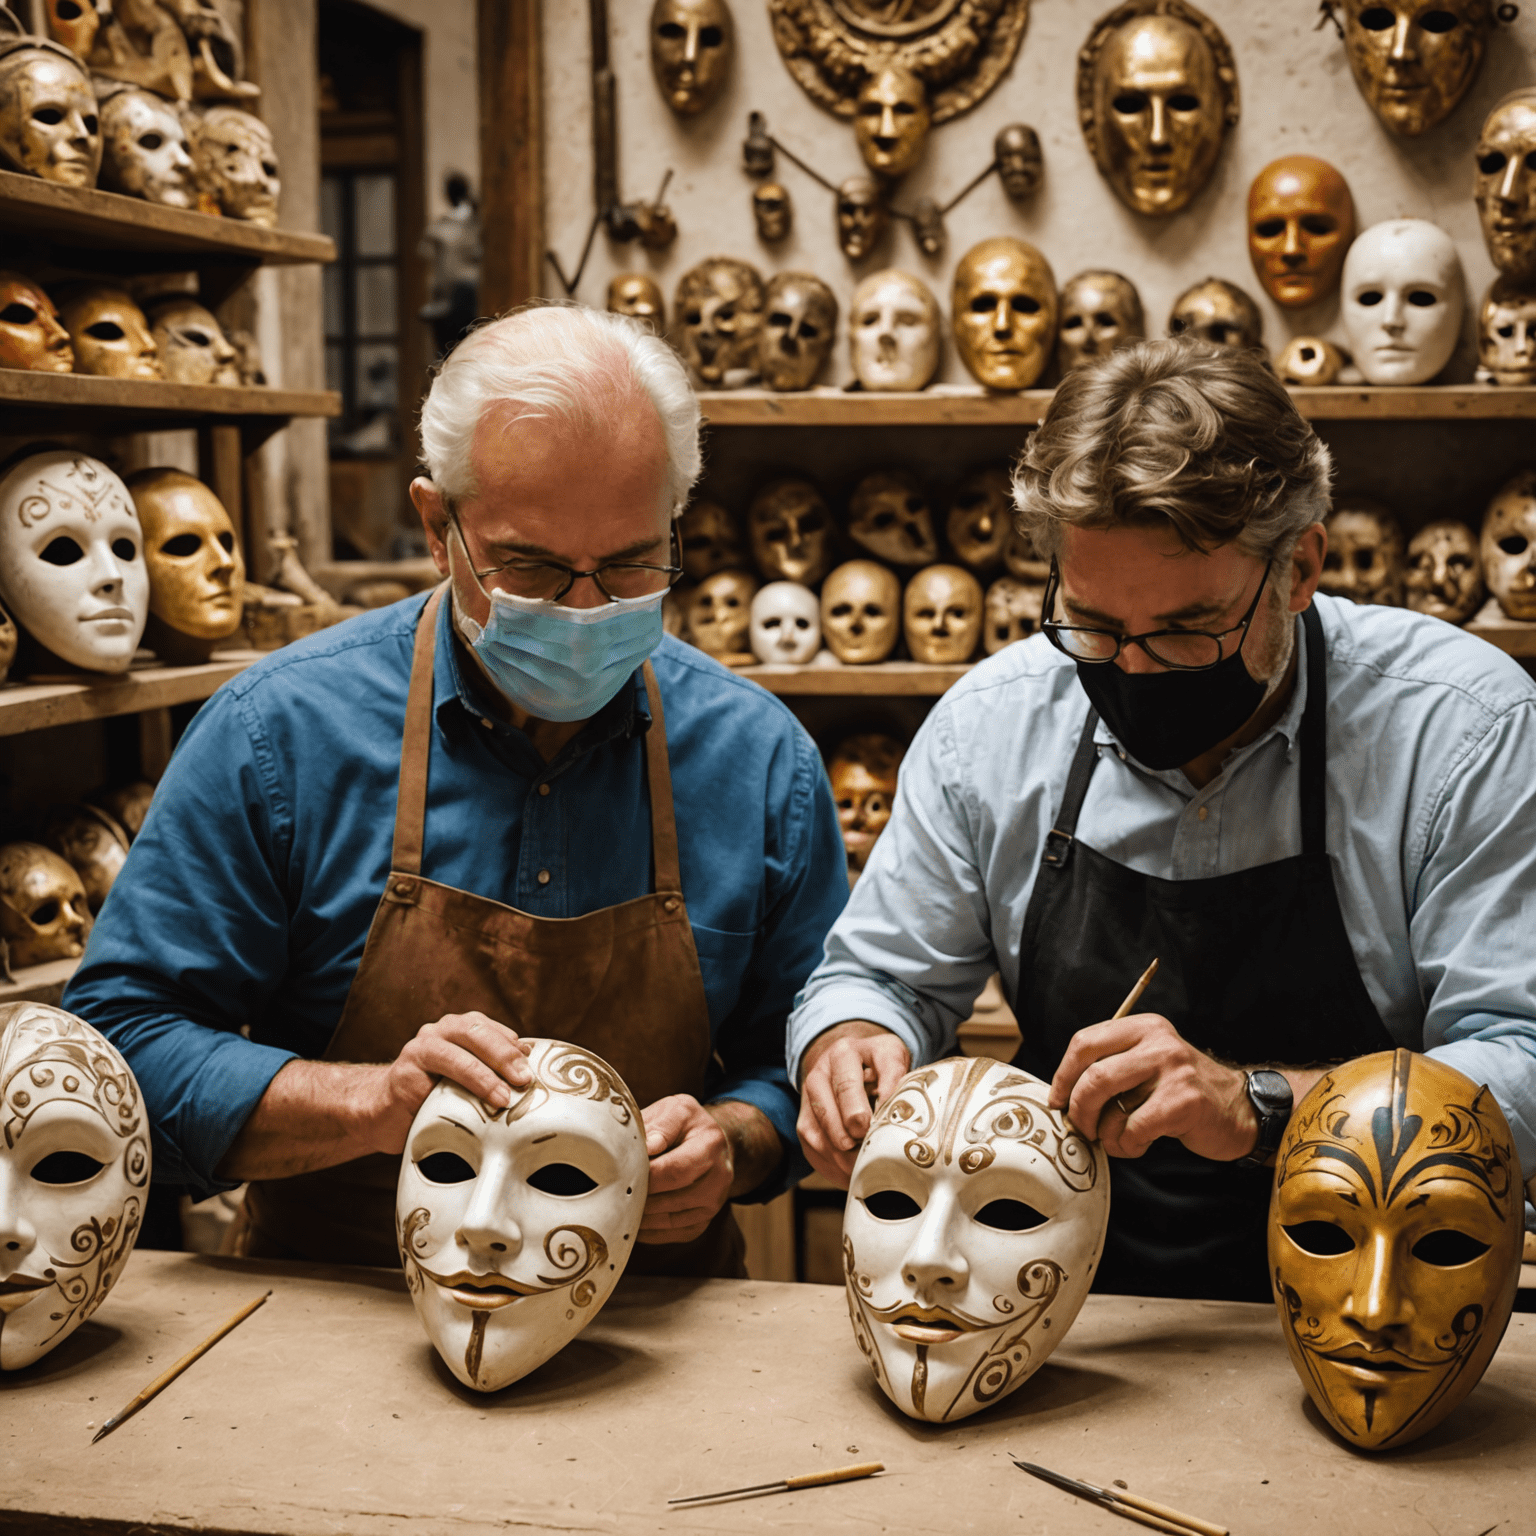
(1218, 312)
(1003, 311)
(91, 843)
(711, 540)
(145, 149)
(70, 566)
(1309, 360)
(1509, 547)
(1156, 94)
(791, 532)
(719, 309)
(141, 44)
(786, 624)
(1020, 164)
(889, 515)
(73, 23)
(1099, 312)
(861, 612)
(235, 162)
(74, 1174)
(1010, 612)
(1395, 1230)
(1301, 219)
(128, 805)
(109, 334)
(43, 911)
(891, 120)
(691, 46)
(1365, 554)
(31, 335)
(1403, 299)
(1506, 335)
(1414, 59)
(941, 615)
(1445, 572)
(799, 327)
(975, 1218)
(772, 212)
(1022, 560)
(863, 772)
(638, 295)
(1505, 185)
(980, 516)
(192, 344)
(48, 119)
(720, 615)
(861, 217)
(515, 1224)
(893, 332)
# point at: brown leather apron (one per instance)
(623, 982)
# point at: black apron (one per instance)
(1256, 967)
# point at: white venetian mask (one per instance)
(515, 1224)
(786, 623)
(1403, 296)
(975, 1219)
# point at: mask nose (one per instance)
(1002, 319)
(888, 122)
(488, 1229)
(1393, 318)
(1509, 183)
(18, 1237)
(1375, 1305)
(934, 1266)
(1402, 51)
(691, 46)
(1159, 135)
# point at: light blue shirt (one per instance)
(1431, 828)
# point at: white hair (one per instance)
(563, 362)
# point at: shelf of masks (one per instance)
(124, 405)
(889, 679)
(46, 211)
(43, 983)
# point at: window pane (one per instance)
(330, 288)
(375, 215)
(334, 368)
(376, 386)
(376, 301)
(331, 188)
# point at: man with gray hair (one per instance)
(1320, 820)
(510, 808)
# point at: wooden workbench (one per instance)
(328, 1413)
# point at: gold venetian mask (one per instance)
(942, 615)
(691, 43)
(891, 120)
(192, 343)
(799, 327)
(1218, 312)
(1506, 335)
(30, 334)
(1099, 312)
(1445, 573)
(1364, 561)
(791, 532)
(1414, 59)
(980, 516)
(48, 122)
(863, 774)
(1505, 185)
(861, 217)
(1020, 163)
(1301, 219)
(1395, 1231)
(73, 23)
(639, 296)
(110, 335)
(719, 306)
(196, 572)
(1003, 310)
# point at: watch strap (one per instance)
(1270, 1094)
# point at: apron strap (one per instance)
(416, 745)
(1314, 738)
(1058, 841)
(658, 772)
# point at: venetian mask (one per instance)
(773, 212)
(928, 226)
(861, 217)
(1156, 93)
(861, 612)
(891, 120)
(942, 613)
(236, 162)
(1403, 300)
(193, 347)
(1395, 1230)
(1506, 336)
(1020, 165)
(43, 911)
(48, 122)
(1364, 561)
(720, 614)
(975, 1217)
(719, 305)
(145, 151)
(1445, 575)
(1505, 185)
(711, 540)
(1301, 219)
(70, 569)
(799, 328)
(786, 623)
(1022, 560)
(1309, 360)
(30, 333)
(889, 516)
(863, 773)
(893, 332)
(74, 1174)
(515, 1224)
(639, 296)
(1003, 311)
(1099, 312)
(128, 805)
(73, 23)
(1509, 547)
(1218, 312)
(109, 334)
(791, 532)
(980, 517)
(1011, 612)
(92, 844)
(691, 42)
(1414, 59)
(196, 571)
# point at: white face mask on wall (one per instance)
(1403, 299)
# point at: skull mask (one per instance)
(720, 614)
(893, 332)
(719, 305)
(1403, 301)
(786, 623)
(1445, 575)
(1505, 185)
(861, 217)
(861, 612)
(1365, 553)
(980, 516)
(70, 569)
(891, 120)
(890, 517)
(193, 347)
(515, 1224)
(691, 43)
(74, 1166)
(975, 1217)
(145, 151)
(1003, 312)
(1011, 612)
(1509, 547)
(942, 611)
(1506, 336)
(798, 331)
(236, 162)
(43, 911)
(1395, 1230)
(1301, 219)
(48, 122)
(863, 774)
(1309, 360)
(1414, 59)
(110, 335)
(711, 541)
(773, 212)
(30, 333)
(1218, 312)
(1020, 166)
(1099, 312)
(791, 532)
(639, 296)
(91, 843)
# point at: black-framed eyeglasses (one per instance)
(1182, 650)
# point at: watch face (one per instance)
(1270, 1092)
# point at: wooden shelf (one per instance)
(1513, 639)
(885, 678)
(43, 983)
(81, 402)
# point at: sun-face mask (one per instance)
(975, 1219)
(74, 1169)
(1403, 298)
(516, 1224)
(1445, 572)
(1301, 219)
(863, 772)
(1395, 1231)
(1413, 60)
(31, 335)
(691, 44)
(1505, 185)
(786, 624)
(1003, 311)
(893, 332)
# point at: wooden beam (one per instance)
(511, 153)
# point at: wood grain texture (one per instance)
(85, 392)
(511, 154)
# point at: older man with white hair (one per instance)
(511, 808)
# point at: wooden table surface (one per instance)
(327, 1412)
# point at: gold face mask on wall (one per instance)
(1218, 312)
(1395, 1231)
(719, 306)
(1506, 335)
(892, 121)
(1099, 312)
(1414, 59)
(799, 327)
(196, 572)
(1301, 219)
(639, 296)
(691, 45)
(1505, 185)
(1003, 310)
(30, 333)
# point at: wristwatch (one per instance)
(1272, 1100)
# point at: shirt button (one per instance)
(1203, 812)
(543, 789)
(543, 877)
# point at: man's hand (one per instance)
(845, 1070)
(693, 1168)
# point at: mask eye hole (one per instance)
(227, 542)
(1447, 1248)
(124, 549)
(1010, 1216)
(105, 330)
(562, 1179)
(1492, 163)
(1438, 21)
(1422, 298)
(63, 551)
(182, 545)
(151, 140)
(77, 1167)
(445, 1168)
(1185, 101)
(891, 1205)
(1376, 18)
(1318, 224)
(1515, 544)
(671, 31)
(1323, 1239)
(710, 37)
(48, 116)
(1369, 297)
(1129, 103)
(18, 314)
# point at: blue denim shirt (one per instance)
(247, 896)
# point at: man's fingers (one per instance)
(1092, 1045)
(1124, 1073)
(850, 1090)
(683, 1165)
(665, 1121)
(495, 1044)
(439, 1057)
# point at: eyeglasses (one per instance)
(1182, 650)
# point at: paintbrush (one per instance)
(1127, 1505)
(789, 1484)
(1131, 999)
